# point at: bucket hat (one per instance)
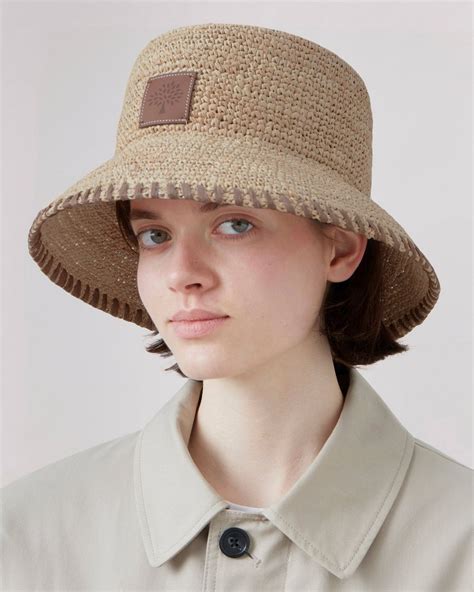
(236, 114)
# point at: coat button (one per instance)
(234, 542)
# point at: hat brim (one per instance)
(77, 242)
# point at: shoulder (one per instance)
(90, 474)
(439, 468)
(437, 491)
(51, 517)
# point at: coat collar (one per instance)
(333, 512)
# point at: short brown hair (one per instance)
(351, 313)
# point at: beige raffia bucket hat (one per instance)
(239, 114)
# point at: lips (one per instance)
(192, 329)
(197, 314)
(198, 320)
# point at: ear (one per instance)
(347, 250)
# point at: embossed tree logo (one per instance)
(168, 94)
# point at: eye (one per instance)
(239, 222)
(155, 233)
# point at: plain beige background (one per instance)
(73, 376)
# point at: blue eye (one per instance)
(156, 231)
(238, 220)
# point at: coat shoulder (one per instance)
(50, 514)
(72, 479)
(437, 480)
(437, 460)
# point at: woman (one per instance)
(235, 221)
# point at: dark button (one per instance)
(234, 542)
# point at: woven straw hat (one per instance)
(240, 114)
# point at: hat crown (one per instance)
(257, 85)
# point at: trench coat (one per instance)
(377, 510)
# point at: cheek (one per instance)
(282, 287)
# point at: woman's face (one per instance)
(265, 269)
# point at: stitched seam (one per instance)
(207, 560)
(287, 563)
(439, 453)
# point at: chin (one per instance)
(205, 371)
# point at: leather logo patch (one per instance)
(167, 99)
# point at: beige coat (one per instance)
(377, 510)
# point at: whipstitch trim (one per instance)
(325, 214)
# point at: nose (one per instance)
(189, 265)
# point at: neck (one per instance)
(255, 434)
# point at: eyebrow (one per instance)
(141, 214)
